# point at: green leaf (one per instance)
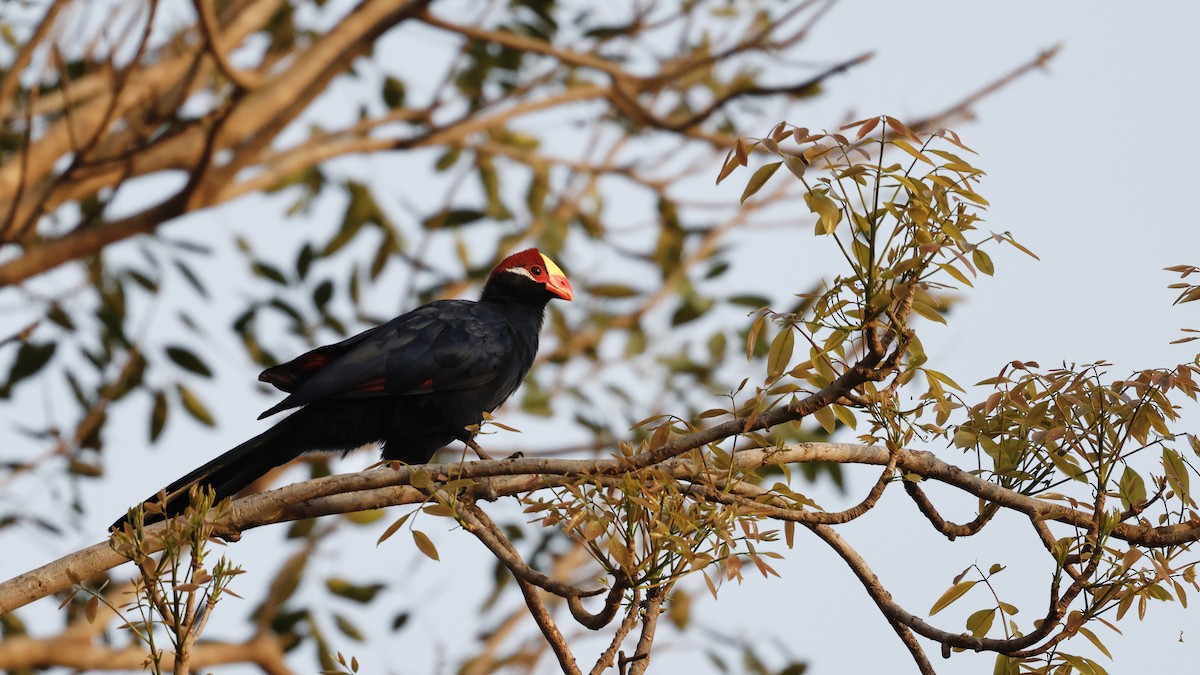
(447, 159)
(194, 406)
(980, 622)
(360, 210)
(780, 354)
(964, 439)
(692, 308)
(750, 300)
(759, 179)
(1177, 473)
(453, 218)
(322, 294)
(953, 593)
(31, 358)
(158, 414)
(903, 145)
(363, 593)
(1132, 488)
(613, 291)
(828, 213)
(348, 629)
(825, 418)
(268, 271)
(983, 261)
(187, 359)
(393, 93)
(1095, 641)
(1067, 466)
(425, 545)
(928, 312)
(844, 415)
(752, 335)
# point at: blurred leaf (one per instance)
(453, 218)
(269, 272)
(194, 406)
(613, 291)
(31, 358)
(188, 360)
(362, 593)
(322, 294)
(393, 93)
(348, 628)
(158, 414)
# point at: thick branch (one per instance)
(388, 487)
(67, 651)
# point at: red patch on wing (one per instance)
(312, 361)
(373, 386)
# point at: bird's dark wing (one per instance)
(442, 346)
(291, 375)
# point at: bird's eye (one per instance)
(537, 271)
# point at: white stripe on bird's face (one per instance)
(521, 271)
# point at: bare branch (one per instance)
(208, 25)
(951, 530)
(651, 609)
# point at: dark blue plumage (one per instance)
(414, 383)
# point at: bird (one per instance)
(414, 384)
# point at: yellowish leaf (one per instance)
(911, 150)
(424, 545)
(759, 179)
(899, 128)
(953, 593)
(781, 352)
(392, 529)
(826, 419)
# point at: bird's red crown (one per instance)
(533, 264)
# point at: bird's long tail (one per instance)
(229, 473)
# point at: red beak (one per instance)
(558, 285)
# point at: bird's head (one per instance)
(529, 272)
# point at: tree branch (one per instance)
(951, 530)
(208, 26)
(388, 487)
